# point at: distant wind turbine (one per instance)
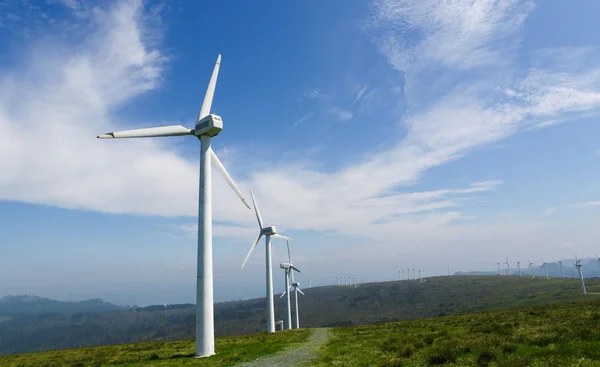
(207, 126)
(598, 258)
(420, 276)
(519, 267)
(545, 265)
(562, 273)
(498, 268)
(289, 269)
(580, 270)
(531, 268)
(268, 232)
(507, 266)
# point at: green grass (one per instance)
(551, 335)
(230, 350)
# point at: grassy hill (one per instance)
(230, 351)
(551, 335)
(321, 307)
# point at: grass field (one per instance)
(230, 350)
(551, 335)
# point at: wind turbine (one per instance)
(507, 266)
(598, 259)
(399, 275)
(498, 268)
(580, 270)
(309, 282)
(531, 268)
(562, 274)
(420, 276)
(448, 269)
(207, 126)
(268, 232)
(519, 267)
(403, 274)
(289, 273)
(414, 274)
(545, 265)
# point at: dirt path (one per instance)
(294, 356)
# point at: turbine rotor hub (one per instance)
(268, 231)
(210, 125)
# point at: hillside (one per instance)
(321, 307)
(550, 335)
(32, 305)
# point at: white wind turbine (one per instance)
(268, 232)
(399, 275)
(580, 270)
(598, 258)
(403, 274)
(289, 273)
(414, 274)
(207, 126)
(498, 268)
(531, 268)
(420, 276)
(519, 267)
(562, 273)
(545, 265)
(507, 266)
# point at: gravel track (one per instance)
(294, 356)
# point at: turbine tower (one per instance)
(207, 126)
(580, 270)
(507, 266)
(403, 274)
(562, 273)
(519, 268)
(399, 275)
(414, 274)
(420, 276)
(498, 268)
(268, 232)
(598, 258)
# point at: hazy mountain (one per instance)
(32, 305)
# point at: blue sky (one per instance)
(378, 134)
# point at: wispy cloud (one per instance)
(313, 93)
(548, 212)
(340, 114)
(301, 120)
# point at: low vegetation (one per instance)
(230, 350)
(550, 335)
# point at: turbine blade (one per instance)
(299, 290)
(283, 294)
(288, 248)
(172, 130)
(258, 217)
(252, 249)
(278, 236)
(210, 91)
(219, 166)
(295, 268)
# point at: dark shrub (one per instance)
(485, 357)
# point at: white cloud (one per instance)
(340, 114)
(415, 34)
(313, 93)
(548, 212)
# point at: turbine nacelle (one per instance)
(210, 125)
(285, 265)
(268, 231)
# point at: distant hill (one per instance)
(322, 306)
(11, 306)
